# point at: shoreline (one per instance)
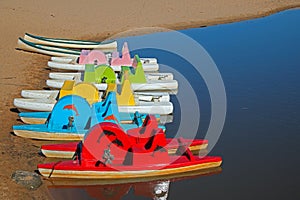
(194, 24)
(21, 70)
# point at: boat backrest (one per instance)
(126, 96)
(114, 110)
(125, 60)
(99, 74)
(149, 126)
(124, 93)
(67, 88)
(105, 74)
(149, 144)
(148, 129)
(134, 74)
(70, 106)
(183, 150)
(86, 90)
(106, 110)
(102, 136)
(96, 57)
(89, 73)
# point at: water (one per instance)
(259, 61)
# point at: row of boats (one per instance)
(112, 108)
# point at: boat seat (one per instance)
(85, 90)
(146, 130)
(135, 74)
(184, 150)
(148, 137)
(137, 119)
(125, 60)
(92, 57)
(102, 136)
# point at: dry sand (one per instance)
(79, 19)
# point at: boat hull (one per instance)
(68, 43)
(151, 85)
(33, 120)
(48, 135)
(79, 76)
(47, 105)
(34, 104)
(72, 60)
(67, 150)
(149, 67)
(125, 174)
(46, 50)
(40, 94)
(162, 119)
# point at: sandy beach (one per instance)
(93, 20)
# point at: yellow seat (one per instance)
(85, 90)
(126, 97)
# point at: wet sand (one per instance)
(93, 20)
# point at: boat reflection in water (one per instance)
(116, 190)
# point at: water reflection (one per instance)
(115, 190)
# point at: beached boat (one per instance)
(148, 67)
(71, 118)
(67, 150)
(96, 183)
(69, 43)
(107, 152)
(41, 94)
(85, 90)
(152, 85)
(152, 96)
(98, 57)
(34, 104)
(69, 60)
(164, 86)
(74, 60)
(34, 117)
(80, 76)
(101, 75)
(125, 118)
(46, 105)
(126, 100)
(46, 50)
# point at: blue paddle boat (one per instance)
(71, 118)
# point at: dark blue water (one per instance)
(259, 61)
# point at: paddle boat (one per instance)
(149, 96)
(69, 43)
(91, 94)
(44, 100)
(96, 183)
(75, 60)
(80, 75)
(103, 74)
(46, 50)
(125, 118)
(108, 153)
(71, 118)
(26, 45)
(99, 57)
(67, 150)
(127, 102)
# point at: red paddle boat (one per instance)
(107, 152)
(67, 150)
